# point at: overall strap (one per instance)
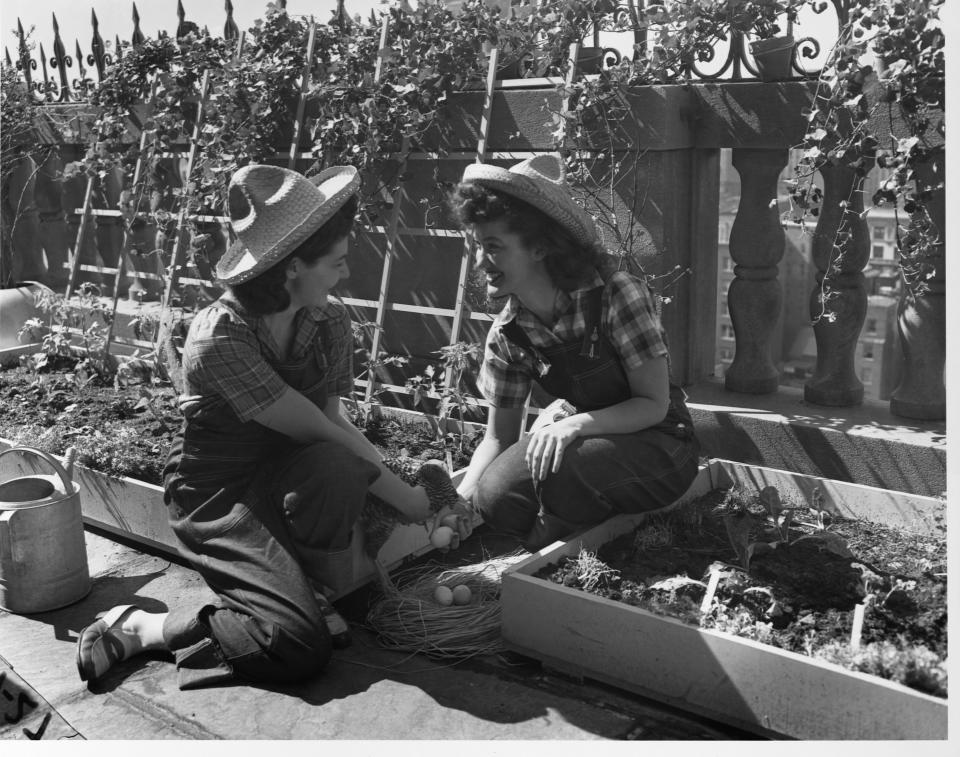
(593, 313)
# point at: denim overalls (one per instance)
(259, 516)
(599, 476)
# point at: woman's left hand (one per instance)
(546, 447)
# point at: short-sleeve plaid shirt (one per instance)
(230, 357)
(629, 321)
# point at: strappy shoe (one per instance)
(336, 625)
(100, 646)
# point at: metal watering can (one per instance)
(43, 555)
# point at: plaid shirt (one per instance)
(230, 356)
(629, 322)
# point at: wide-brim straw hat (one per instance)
(541, 182)
(274, 210)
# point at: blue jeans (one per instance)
(261, 550)
(600, 476)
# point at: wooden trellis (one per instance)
(391, 232)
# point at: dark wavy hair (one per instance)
(266, 293)
(568, 261)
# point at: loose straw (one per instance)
(407, 618)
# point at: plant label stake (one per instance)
(305, 82)
(857, 628)
(712, 585)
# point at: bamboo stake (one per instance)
(305, 82)
(391, 233)
(468, 243)
(182, 216)
(125, 246)
(81, 232)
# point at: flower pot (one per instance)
(774, 57)
(590, 60)
(17, 304)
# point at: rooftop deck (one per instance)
(367, 692)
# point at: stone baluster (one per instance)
(756, 246)
(838, 303)
(922, 321)
(54, 235)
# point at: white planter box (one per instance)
(135, 510)
(741, 682)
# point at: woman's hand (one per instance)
(547, 445)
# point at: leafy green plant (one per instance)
(751, 534)
(445, 382)
(888, 113)
(87, 318)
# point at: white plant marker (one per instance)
(857, 628)
(712, 584)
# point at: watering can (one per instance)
(43, 555)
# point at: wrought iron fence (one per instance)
(61, 77)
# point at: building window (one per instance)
(866, 376)
(727, 264)
(868, 348)
(723, 233)
(871, 325)
(726, 331)
(879, 250)
(726, 355)
(880, 232)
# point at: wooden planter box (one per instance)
(135, 510)
(738, 681)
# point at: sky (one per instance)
(116, 17)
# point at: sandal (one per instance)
(100, 647)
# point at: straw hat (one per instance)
(273, 210)
(541, 182)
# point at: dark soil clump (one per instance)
(800, 591)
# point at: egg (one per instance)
(441, 537)
(461, 594)
(443, 595)
(450, 521)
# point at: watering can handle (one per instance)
(52, 461)
(6, 543)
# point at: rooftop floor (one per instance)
(367, 692)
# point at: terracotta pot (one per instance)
(774, 57)
(17, 304)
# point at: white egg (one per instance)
(461, 594)
(441, 536)
(443, 595)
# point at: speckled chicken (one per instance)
(378, 519)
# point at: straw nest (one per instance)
(408, 618)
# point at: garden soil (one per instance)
(126, 429)
(799, 595)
